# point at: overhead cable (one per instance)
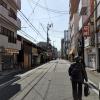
(28, 36)
(31, 25)
(48, 18)
(43, 28)
(49, 9)
(33, 9)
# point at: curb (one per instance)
(9, 82)
(94, 87)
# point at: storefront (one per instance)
(90, 58)
(34, 57)
(9, 58)
(27, 51)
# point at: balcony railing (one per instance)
(5, 13)
(83, 7)
(4, 41)
(17, 3)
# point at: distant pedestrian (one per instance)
(77, 74)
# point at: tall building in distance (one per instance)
(9, 25)
(64, 44)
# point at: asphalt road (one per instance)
(47, 82)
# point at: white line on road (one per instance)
(93, 89)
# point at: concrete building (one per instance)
(9, 24)
(66, 42)
(74, 26)
(54, 52)
(62, 49)
(94, 44)
(86, 24)
(48, 55)
(84, 12)
(86, 37)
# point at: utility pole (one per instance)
(48, 28)
(96, 37)
(53, 52)
(67, 44)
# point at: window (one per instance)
(12, 14)
(3, 4)
(1, 30)
(9, 34)
(4, 31)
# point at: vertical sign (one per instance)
(91, 6)
(86, 31)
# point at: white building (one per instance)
(9, 24)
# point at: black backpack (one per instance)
(76, 72)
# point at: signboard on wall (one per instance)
(86, 31)
(91, 6)
(34, 51)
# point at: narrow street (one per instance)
(47, 82)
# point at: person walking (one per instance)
(77, 75)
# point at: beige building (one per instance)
(74, 26)
(9, 25)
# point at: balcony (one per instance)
(82, 20)
(90, 41)
(74, 24)
(16, 3)
(83, 7)
(4, 42)
(14, 46)
(4, 14)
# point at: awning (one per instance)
(72, 51)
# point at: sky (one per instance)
(39, 16)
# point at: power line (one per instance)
(30, 4)
(25, 19)
(28, 36)
(26, 22)
(51, 10)
(43, 28)
(33, 9)
(58, 31)
(48, 11)
(48, 18)
(31, 25)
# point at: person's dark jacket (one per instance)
(80, 74)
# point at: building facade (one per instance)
(9, 24)
(62, 49)
(74, 27)
(87, 42)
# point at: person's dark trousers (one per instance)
(77, 90)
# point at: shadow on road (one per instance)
(9, 91)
